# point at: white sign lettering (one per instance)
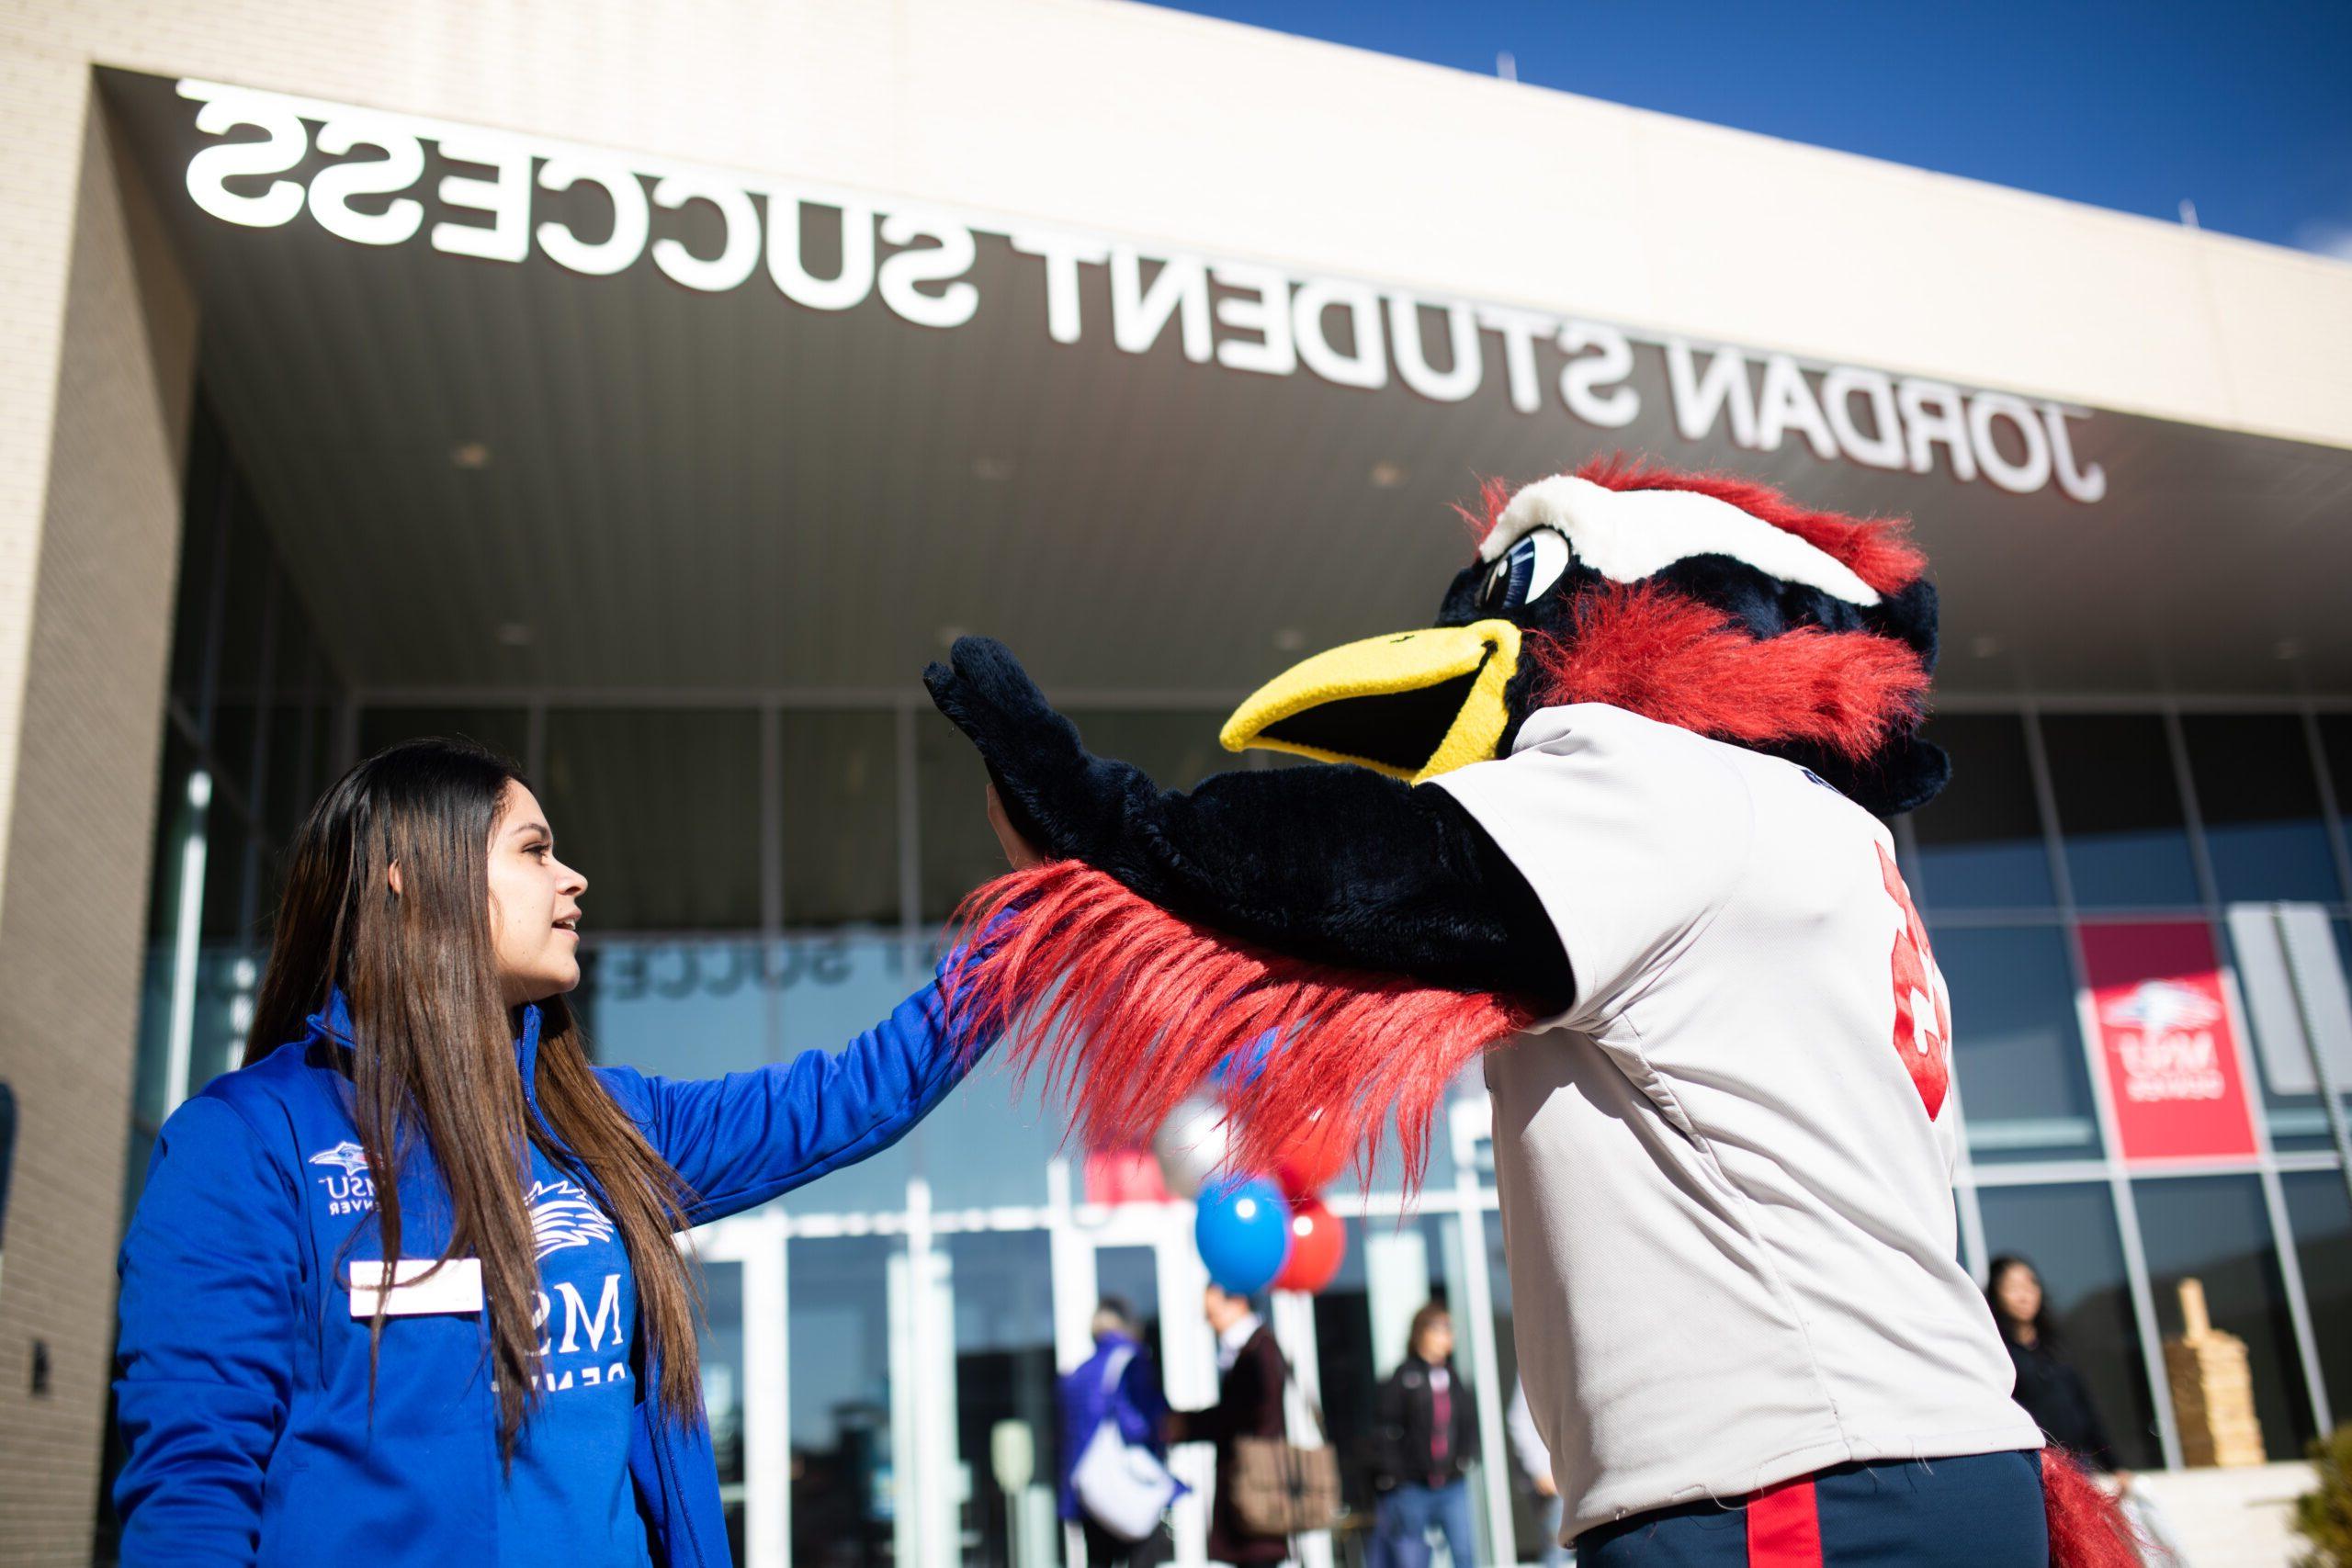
(1246, 316)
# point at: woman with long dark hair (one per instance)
(2053, 1391)
(2049, 1386)
(403, 1289)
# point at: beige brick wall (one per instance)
(94, 650)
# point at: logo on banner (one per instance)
(2158, 1005)
(2165, 1036)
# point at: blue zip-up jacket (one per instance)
(243, 1376)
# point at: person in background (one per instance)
(1535, 1464)
(2051, 1391)
(1093, 1392)
(1426, 1435)
(1250, 1375)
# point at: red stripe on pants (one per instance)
(1783, 1527)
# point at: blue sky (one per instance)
(2245, 109)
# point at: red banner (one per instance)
(2166, 1035)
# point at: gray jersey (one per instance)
(1725, 1171)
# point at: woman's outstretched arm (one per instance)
(743, 1139)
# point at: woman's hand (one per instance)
(1018, 849)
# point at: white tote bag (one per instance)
(1122, 1485)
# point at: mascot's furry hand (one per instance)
(1062, 799)
(1334, 865)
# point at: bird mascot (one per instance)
(1611, 828)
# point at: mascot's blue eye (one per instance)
(1526, 572)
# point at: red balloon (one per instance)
(1319, 1243)
(1313, 1157)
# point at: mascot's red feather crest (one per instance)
(1157, 1003)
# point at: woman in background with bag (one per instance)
(1115, 1484)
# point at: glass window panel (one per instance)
(2216, 1229)
(838, 1333)
(1351, 1371)
(302, 708)
(205, 509)
(1177, 749)
(2296, 1122)
(505, 730)
(988, 1142)
(2068, 1233)
(1390, 1271)
(2017, 1044)
(1979, 841)
(252, 582)
(226, 906)
(700, 1008)
(174, 817)
(721, 1339)
(2118, 806)
(2319, 1211)
(1004, 1379)
(2335, 747)
(1130, 1275)
(959, 851)
(841, 819)
(660, 809)
(2260, 801)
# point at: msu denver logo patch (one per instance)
(352, 1192)
(562, 1215)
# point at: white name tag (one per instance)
(406, 1289)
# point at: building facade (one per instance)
(651, 402)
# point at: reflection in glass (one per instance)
(2118, 808)
(698, 1009)
(1177, 749)
(506, 731)
(2260, 801)
(2068, 1233)
(1979, 841)
(2215, 1229)
(844, 1499)
(841, 819)
(721, 1338)
(959, 850)
(2319, 1211)
(660, 809)
(2296, 1120)
(2016, 1045)
(1343, 1349)
(1004, 1395)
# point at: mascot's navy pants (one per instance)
(1983, 1511)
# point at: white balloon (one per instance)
(1193, 1145)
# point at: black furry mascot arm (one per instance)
(1334, 865)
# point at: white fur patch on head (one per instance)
(1628, 535)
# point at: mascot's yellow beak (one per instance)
(1413, 705)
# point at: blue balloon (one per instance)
(1243, 1230)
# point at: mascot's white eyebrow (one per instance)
(1629, 534)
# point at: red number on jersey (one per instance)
(1922, 1013)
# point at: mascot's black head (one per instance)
(1702, 601)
